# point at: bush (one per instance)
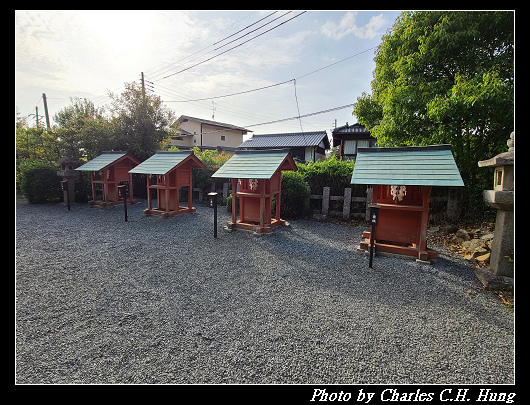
(39, 182)
(295, 195)
(332, 172)
(229, 203)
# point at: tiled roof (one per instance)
(431, 165)
(350, 128)
(164, 161)
(214, 123)
(101, 161)
(256, 164)
(287, 140)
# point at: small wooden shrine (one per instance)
(106, 173)
(256, 179)
(402, 179)
(173, 171)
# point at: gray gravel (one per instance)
(156, 300)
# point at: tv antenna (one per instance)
(213, 111)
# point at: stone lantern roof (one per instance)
(69, 158)
(502, 159)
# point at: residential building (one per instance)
(349, 138)
(206, 134)
(303, 146)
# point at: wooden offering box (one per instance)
(258, 175)
(106, 173)
(173, 171)
(402, 180)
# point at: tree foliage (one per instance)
(213, 160)
(445, 77)
(331, 172)
(39, 182)
(294, 195)
(135, 123)
(83, 128)
(36, 145)
(140, 122)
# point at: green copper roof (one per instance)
(431, 165)
(255, 164)
(101, 161)
(162, 162)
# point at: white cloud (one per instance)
(348, 25)
(76, 53)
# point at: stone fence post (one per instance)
(325, 200)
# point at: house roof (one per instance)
(350, 128)
(256, 164)
(184, 118)
(286, 140)
(431, 165)
(102, 161)
(164, 161)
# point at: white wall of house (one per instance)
(218, 136)
(212, 136)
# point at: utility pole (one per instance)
(37, 116)
(143, 86)
(46, 110)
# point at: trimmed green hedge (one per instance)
(39, 182)
(332, 172)
(295, 195)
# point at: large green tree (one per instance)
(83, 128)
(445, 77)
(140, 121)
(134, 122)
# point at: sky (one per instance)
(86, 54)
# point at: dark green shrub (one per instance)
(82, 187)
(39, 182)
(331, 172)
(295, 195)
(229, 203)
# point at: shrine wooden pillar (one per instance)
(424, 221)
(149, 198)
(93, 181)
(234, 201)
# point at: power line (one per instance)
(166, 68)
(272, 85)
(165, 91)
(303, 116)
(287, 119)
(234, 47)
(342, 60)
(171, 64)
(298, 108)
(248, 26)
(250, 32)
(228, 95)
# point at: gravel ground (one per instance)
(156, 300)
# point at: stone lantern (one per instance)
(502, 197)
(68, 173)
